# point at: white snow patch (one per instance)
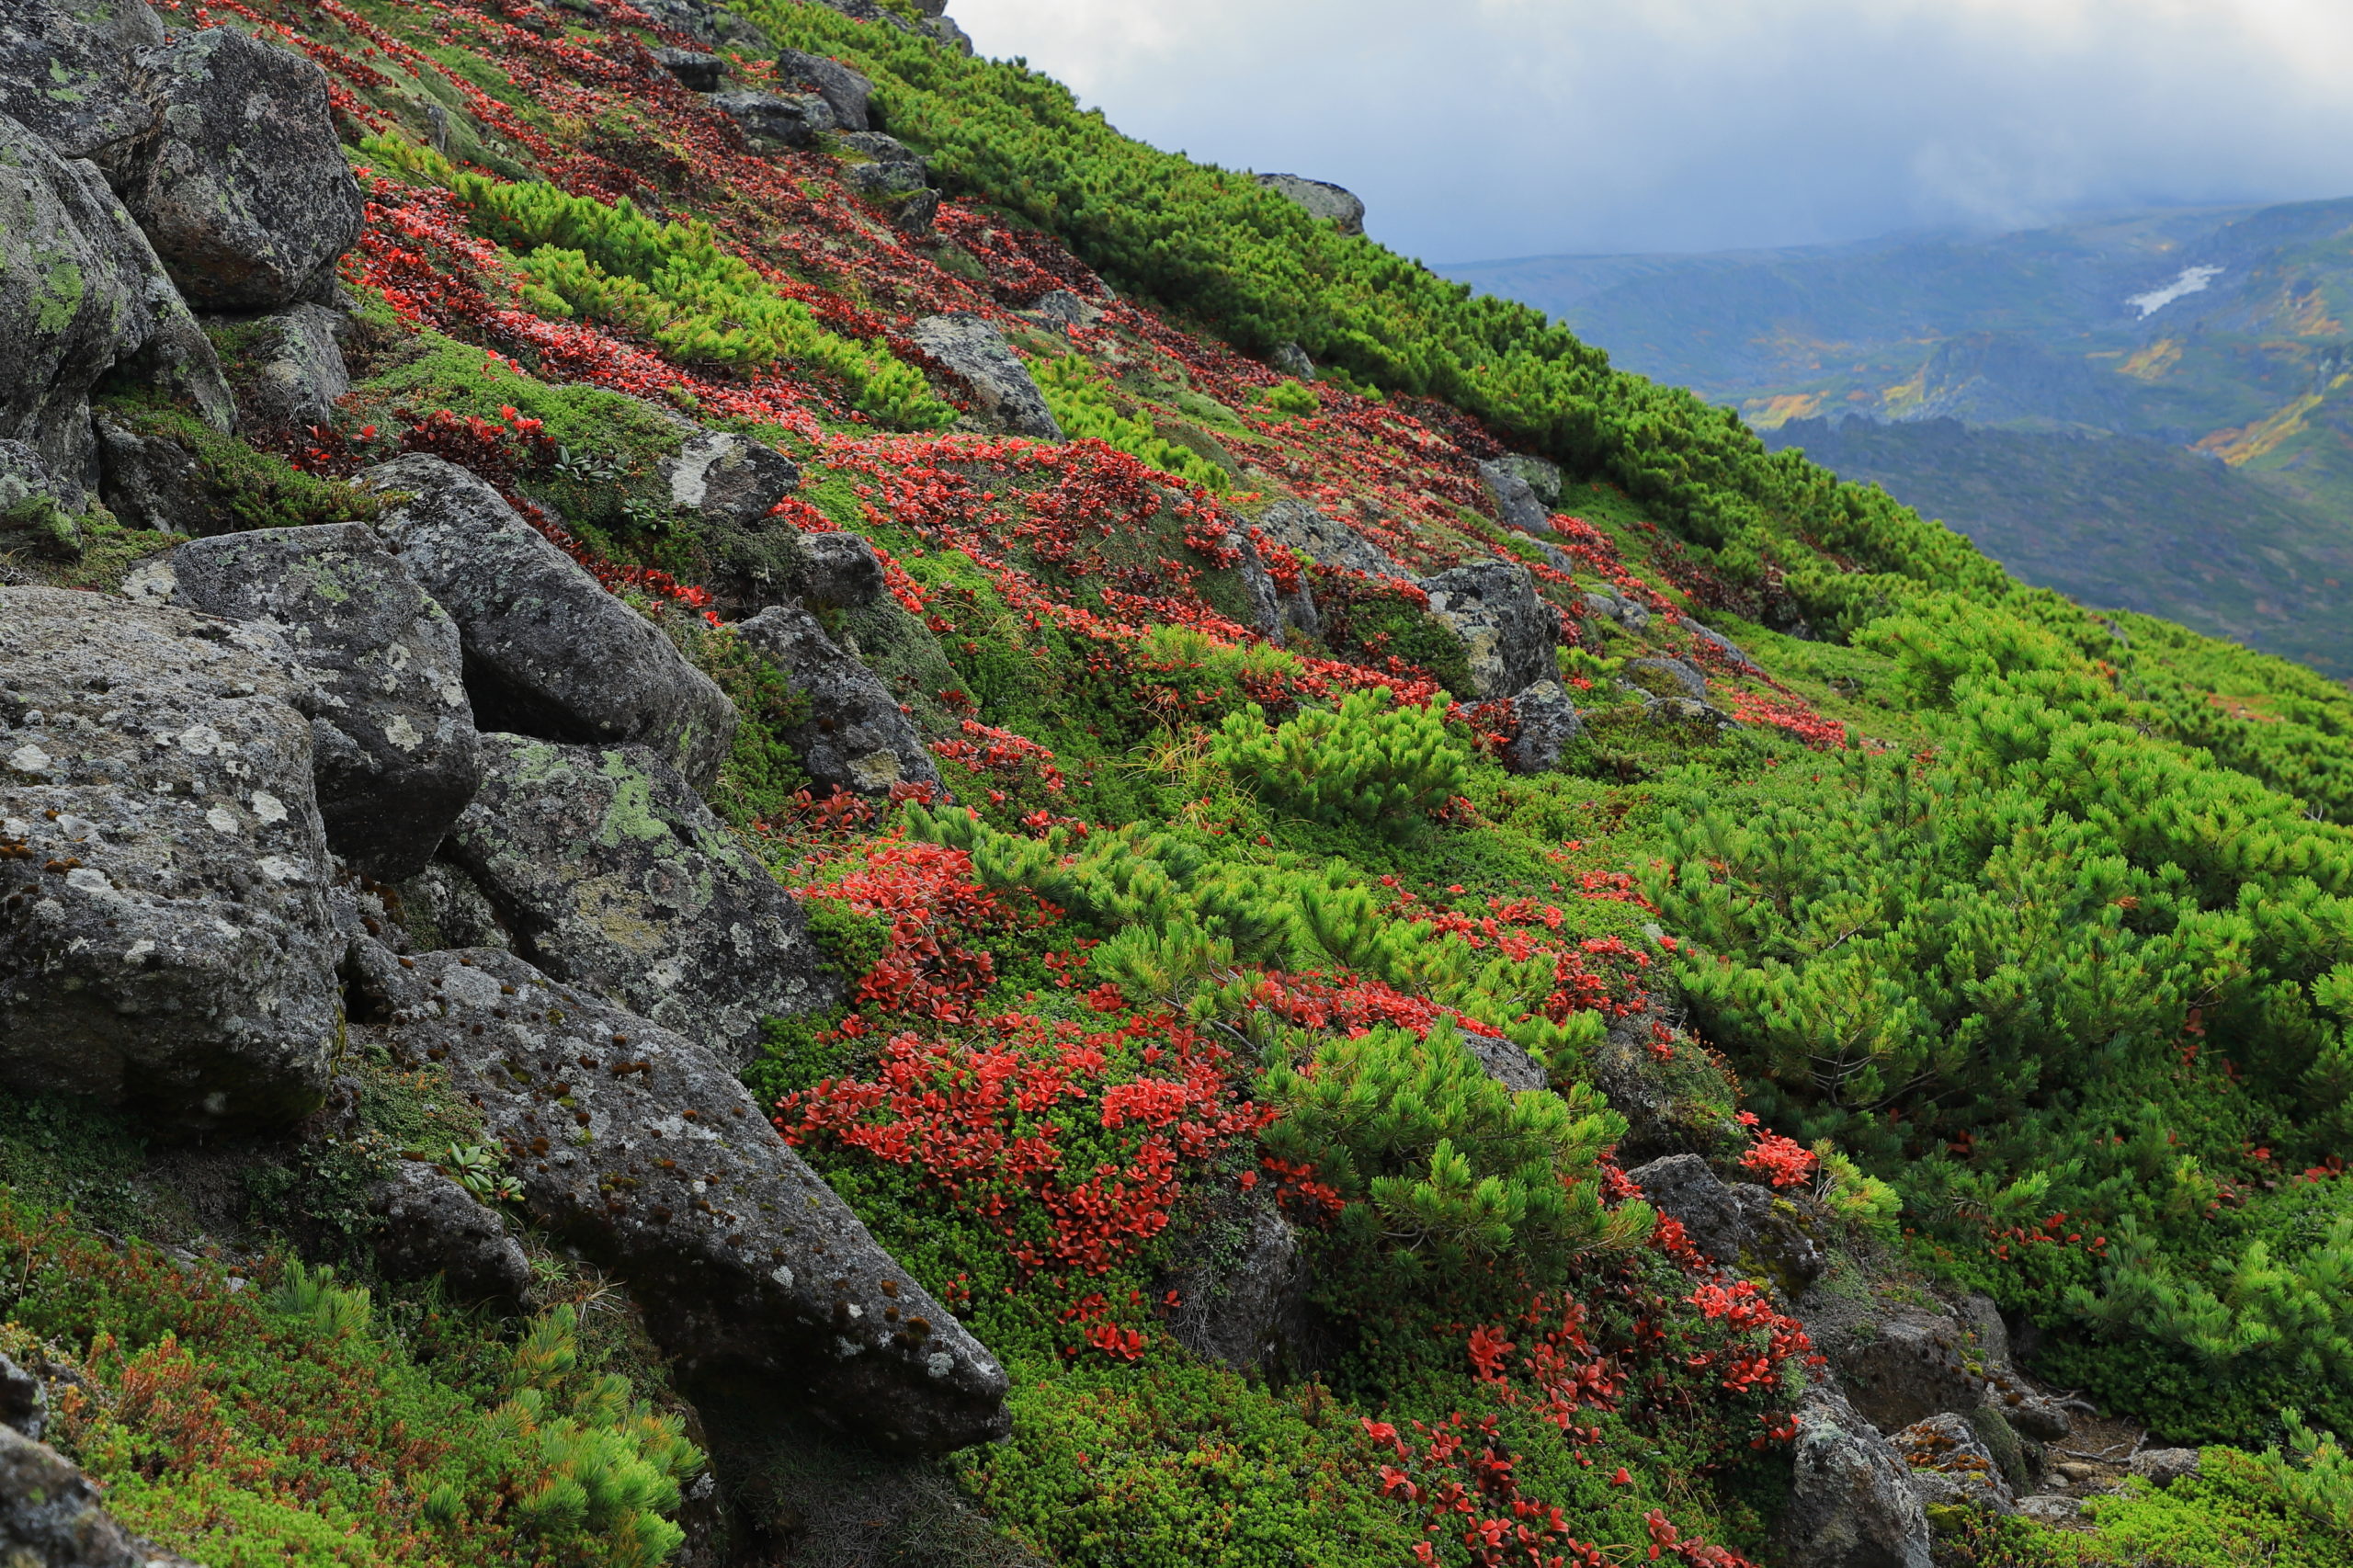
(2192, 280)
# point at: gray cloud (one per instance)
(1496, 128)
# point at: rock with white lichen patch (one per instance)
(164, 941)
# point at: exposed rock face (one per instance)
(1950, 1463)
(1682, 1187)
(769, 120)
(891, 174)
(1668, 677)
(1681, 1104)
(1851, 1503)
(724, 477)
(846, 92)
(442, 907)
(855, 738)
(391, 733)
(66, 81)
(1516, 502)
(1622, 612)
(433, 1227)
(1061, 309)
(641, 1148)
(81, 291)
(243, 188)
(1242, 1302)
(150, 483)
(1548, 722)
(548, 652)
(163, 938)
(1292, 360)
(1722, 644)
(2165, 1466)
(24, 1404)
(838, 569)
(695, 70)
(1507, 1063)
(1542, 479)
(301, 371)
(1297, 526)
(615, 877)
(1321, 198)
(1508, 631)
(1899, 1365)
(49, 1515)
(974, 353)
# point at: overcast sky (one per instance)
(1478, 129)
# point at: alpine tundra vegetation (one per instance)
(761, 804)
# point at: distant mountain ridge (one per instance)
(2214, 330)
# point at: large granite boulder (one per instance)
(855, 738)
(391, 732)
(725, 478)
(299, 370)
(846, 92)
(64, 75)
(974, 354)
(243, 188)
(548, 652)
(615, 877)
(165, 939)
(51, 1516)
(642, 1150)
(1508, 633)
(1321, 198)
(1851, 1503)
(80, 291)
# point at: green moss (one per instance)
(242, 487)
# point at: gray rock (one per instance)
(1683, 1104)
(1682, 1187)
(68, 82)
(1899, 1365)
(907, 658)
(548, 652)
(299, 372)
(1292, 360)
(1724, 645)
(441, 908)
(1060, 309)
(2163, 1467)
(855, 737)
(1508, 633)
(974, 354)
(1977, 1313)
(888, 165)
(80, 291)
(694, 69)
(838, 569)
(1297, 526)
(1507, 1063)
(1668, 677)
(150, 483)
(391, 733)
(1778, 1238)
(165, 939)
(638, 1148)
(724, 477)
(1546, 722)
(945, 29)
(1516, 504)
(2050, 1509)
(1542, 479)
(1624, 612)
(24, 1403)
(1950, 1463)
(770, 120)
(243, 190)
(1322, 199)
(1851, 1503)
(430, 1226)
(50, 1514)
(846, 92)
(2034, 1415)
(615, 877)
(1242, 1291)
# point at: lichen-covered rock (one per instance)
(773, 120)
(727, 478)
(150, 483)
(68, 81)
(1951, 1465)
(846, 92)
(441, 908)
(50, 1514)
(299, 370)
(1682, 1187)
(165, 939)
(1508, 633)
(2059, 1513)
(1542, 479)
(973, 352)
(1667, 677)
(642, 1150)
(431, 1226)
(1241, 1287)
(1292, 360)
(2163, 1467)
(24, 1403)
(1621, 612)
(855, 737)
(1516, 502)
(696, 69)
(80, 291)
(548, 652)
(841, 569)
(1546, 722)
(1061, 310)
(1899, 1362)
(615, 877)
(1335, 204)
(1781, 1239)
(1299, 526)
(391, 733)
(1505, 1063)
(1675, 1098)
(243, 188)
(1851, 1503)
(892, 175)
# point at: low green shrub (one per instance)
(1369, 763)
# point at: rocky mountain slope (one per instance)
(759, 805)
(2070, 356)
